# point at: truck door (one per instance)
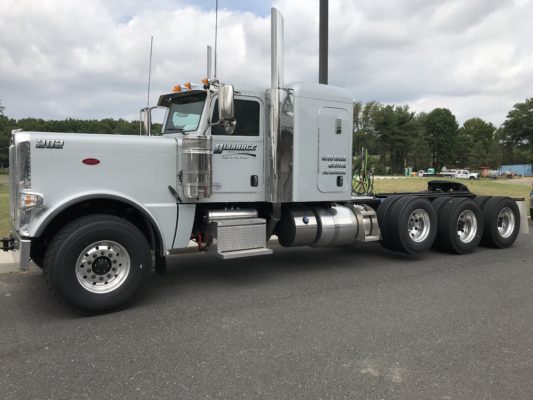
(238, 158)
(334, 150)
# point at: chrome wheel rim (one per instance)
(103, 266)
(419, 225)
(467, 226)
(506, 222)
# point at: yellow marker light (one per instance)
(205, 81)
(187, 85)
(30, 200)
(176, 89)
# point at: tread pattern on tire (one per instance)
(447, 237)
(383, 218)
(67, 232)
(491, 209)
(394, 222)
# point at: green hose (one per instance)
(363, 179)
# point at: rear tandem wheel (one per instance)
(408, 224)
(460, 226)
(502, 222)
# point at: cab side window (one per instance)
(247, 116)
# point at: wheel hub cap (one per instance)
(103, 266)
(467, 226)
(419, 225)
(506, 222)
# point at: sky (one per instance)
(89, 59)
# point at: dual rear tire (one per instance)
(460, 225)
(413, 224)
(502, 222)
(407, 224)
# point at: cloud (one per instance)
(90, 59)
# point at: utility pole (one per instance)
(323, 43)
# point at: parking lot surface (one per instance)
(331, 323)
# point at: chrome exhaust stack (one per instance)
(274, 133)
(276, 87)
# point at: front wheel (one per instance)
(97, 263)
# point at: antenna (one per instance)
(149, 72)
(209, 62)
(216, 32)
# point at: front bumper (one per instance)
(20, 250)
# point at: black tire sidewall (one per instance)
(448, 226)
(383, 214)
(491, 210)
(400, 220)
(62, 270)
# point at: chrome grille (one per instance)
(12, 181)
(19, 174)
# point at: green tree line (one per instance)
(106, 125)
(397, 137)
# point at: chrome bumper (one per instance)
(20, 250)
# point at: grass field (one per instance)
(387, 185)
(483, 186)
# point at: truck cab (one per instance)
(238, 168)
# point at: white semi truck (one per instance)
(234, 167)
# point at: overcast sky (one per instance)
(89, 59)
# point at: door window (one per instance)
(247, 114)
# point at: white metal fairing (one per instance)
(320, 154)
(137, 169)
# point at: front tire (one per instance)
(97, 263)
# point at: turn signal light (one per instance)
(30, 200)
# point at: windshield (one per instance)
(184, 113)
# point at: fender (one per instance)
(43, 219)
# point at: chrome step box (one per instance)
(241, 237)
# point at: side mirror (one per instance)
(226, 111)
(229, 126)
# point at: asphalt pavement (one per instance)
(331, 323)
